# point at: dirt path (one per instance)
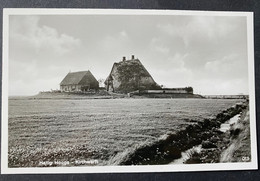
(239, 147)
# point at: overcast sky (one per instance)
(206, 52)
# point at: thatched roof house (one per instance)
(129, 75)
(79, 82)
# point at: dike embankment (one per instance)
(171, 96)
(205, 132)
(73, 95)
(103, 95)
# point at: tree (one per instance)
(101, 82)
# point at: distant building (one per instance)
(79, 82)
(185, 90)
(129, 75)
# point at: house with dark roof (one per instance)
(79, 82)
(129, 75)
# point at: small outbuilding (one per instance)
(79, 82)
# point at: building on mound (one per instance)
(129, 75)
(79, 82)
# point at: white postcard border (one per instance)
(125, 169)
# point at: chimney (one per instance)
(123, 58)
(133, 57)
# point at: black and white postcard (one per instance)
(107, 91)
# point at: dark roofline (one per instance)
(85, 73)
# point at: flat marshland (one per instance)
(74, 132)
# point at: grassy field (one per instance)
(96, 131)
